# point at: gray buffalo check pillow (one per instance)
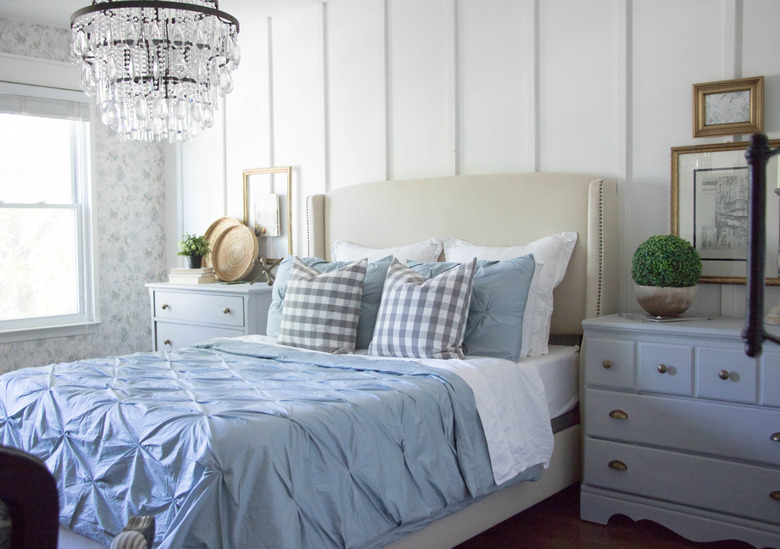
(420, 317)
(321, 310)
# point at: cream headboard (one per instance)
(487, 210)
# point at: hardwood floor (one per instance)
(555, 524)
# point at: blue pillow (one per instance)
(495, 322)
(369, 306)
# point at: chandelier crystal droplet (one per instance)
(155, 68)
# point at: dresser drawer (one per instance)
(770, 376)
(707, 483)
(609, 362)
(738, 432)
(173, 336)
(206, 308)
(726, 374)
(665, 368)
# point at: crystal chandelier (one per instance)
(155, 68)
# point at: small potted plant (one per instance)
(194, 247)
(666, 269)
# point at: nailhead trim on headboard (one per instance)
(308, 227)
(601, 250)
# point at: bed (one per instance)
(455, 494)
(493, 210)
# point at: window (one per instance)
(46, 258)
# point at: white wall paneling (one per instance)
(359, 90)
(761, 55)
(203, 188)
(495, 70)
(356, 91)
(421, 67)
(623, 130)
(760, 47)
(675, 44)
(248, 108)
(578, 66)
(299, 106)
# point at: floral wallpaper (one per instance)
(34, 40)
(129, 229)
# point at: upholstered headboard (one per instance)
(487, 210)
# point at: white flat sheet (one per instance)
(513, 409)
(559, 371)
(511, 403)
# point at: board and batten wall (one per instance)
(350, 91)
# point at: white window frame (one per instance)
(33, 77)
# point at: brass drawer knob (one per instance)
(724, 375)
(607, 364)
(775, 437)
(166, 342)
(775, 495)
(618, 414)
(618, 465)
(165, 306)
(226, 310)
(662, 368)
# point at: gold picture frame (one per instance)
(728, 107)
(709, 208)
(259, 182)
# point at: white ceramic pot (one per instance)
(664, 301)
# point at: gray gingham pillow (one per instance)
(321, 310)
(420, 317)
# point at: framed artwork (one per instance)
(728, 107)
(268, 207)
(710, 204)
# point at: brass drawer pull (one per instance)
(724, 375)
(775, 495)
(166, 342)
(662, 368)
(165, 306)
(775, 437)
(618, 465)
(607, 364)
(618, 414)
(226, 310)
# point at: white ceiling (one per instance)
(57, 13)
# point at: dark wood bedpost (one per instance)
(757, 155)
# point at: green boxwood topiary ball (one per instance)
(666, 261)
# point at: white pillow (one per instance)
(530, 308)
(427, 251)
(552, 254)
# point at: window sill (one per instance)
(46, 332)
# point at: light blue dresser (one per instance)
(681, 427)
(185, 314)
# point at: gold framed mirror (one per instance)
(268, 206)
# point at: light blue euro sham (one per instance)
(500, 291)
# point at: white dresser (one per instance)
(682, 428)
(186, 314)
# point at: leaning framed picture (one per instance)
(710, 202)
(728, 107)
(268, 208)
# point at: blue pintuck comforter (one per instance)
(236, 444)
